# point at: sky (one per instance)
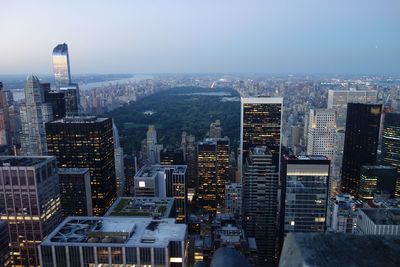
(207, 36)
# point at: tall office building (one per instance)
(119, 163)
(338, 100)
(5, 129)
(360, 144)
(376, 178)
(62, 73)
(261, 126)
(71, 96)
(75, 192)
(305, 181)
(215, 129)
(34, 114)
(153, 149)
(30, 203)
(321, 132)
(213, 173)
(4, 247)
(164, 181)
(86, 142)
(57, 102)
(189, 147)
(336, 163)
(391, 144)
(233, 198)
(261, 203)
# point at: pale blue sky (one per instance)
(148, 36)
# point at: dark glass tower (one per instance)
(391, 144)
(86, 142)
(62, 74)
(360, 144)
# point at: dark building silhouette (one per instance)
(360, 144)
(391, 144)
(171, 157)
(86, 142)
(375, 179)
(57, 101)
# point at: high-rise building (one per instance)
(213, 173)
(171, 157)
(62, 74)
(321, 132)
(72, 101)
(376, 178)
(75, 192)
(261, 126)
(341, 217)
(336, 164)
(86, 142)
(30, 203)
(261, 203)
(5, 129)
(4, 245)
(306, 181)
(189, 148)
(57, 102)
(34, 114)
(153, 149)
(164, 181)
(338, 100)
(360, 144)
(119, 163)
(233, 198)
(215, 129)
(116, 241)
(378, 221)
(391, 144)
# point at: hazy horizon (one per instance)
(186, 37)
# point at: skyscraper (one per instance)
(75, 192)
(213, 173)
(261, 126)
(374, 178)
(62, 74)
(215, 129)
(360, 144)
(171, 157)
(153, 149)
(305, 180)
(86, 142)
(321, 132)
(5, 129)
(338, 100)
(391, 144)
(71, 96)
(261, 203)
(30, 203)
(119, 163)
(34, 114)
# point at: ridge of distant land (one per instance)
(17, 81)
(175, 110)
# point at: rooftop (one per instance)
(80, 119)
(142, 207)
(332, 250)
(150, 171)
(383, 216)
(21, 161)
(116, 231)
(72, 170)
(305, 157)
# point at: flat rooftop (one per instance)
(21, 161)
(332, 250)
(150, 171)
(383, 216)
(116, 231)
(72, 170)
(80, 119)
(142, 207)
(305, 157)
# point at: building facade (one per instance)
(62, 73)
(378, 222)
(342, 216)
(75, 192)
(391, 144)
(30, 203)
(360, 144)
(306, 180)
(321, 132)
(376, 178)
(233, 198)
(87, 142)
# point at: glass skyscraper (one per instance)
(360, 143)
(391, 144)
(62, 74)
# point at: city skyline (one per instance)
(223, 37)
